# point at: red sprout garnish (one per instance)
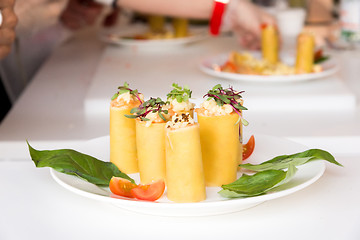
(227, 96)
(124, 89)
(151, 105)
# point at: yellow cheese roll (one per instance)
(270, 43)
(305, 53)
(184, 167)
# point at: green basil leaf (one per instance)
(297, 159)
(254, 185)
(258, 184)
(290, 173)
(277, 165)
(231, 194)
(71, 162)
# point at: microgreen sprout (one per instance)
(152, 105)
(179, 93)
(124, 89)
(227, 96)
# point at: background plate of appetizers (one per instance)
(212, 66)
(266, 148)
(137, 37)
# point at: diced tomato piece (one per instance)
(121, 187)
(229, 67)
(248, 148)
(149, 192)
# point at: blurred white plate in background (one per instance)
(208, 66)
(124, 38)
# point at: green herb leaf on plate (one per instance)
(297, 159)
(72, 162)
(253, 185)
(257, 184)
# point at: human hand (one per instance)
(80, 13)
(245, 19)
(7, 28)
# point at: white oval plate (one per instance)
(266, 148)
(118, 38)
(207, 66)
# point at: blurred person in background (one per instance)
(42, 26)
(7, 37)
(241, 16)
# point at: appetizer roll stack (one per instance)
(270, 43)
(184, 166)
(169, 145)
(219, 118)
(122, 129)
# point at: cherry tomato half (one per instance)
(149, 192)
(248, 148)
(121, 187)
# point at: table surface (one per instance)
(51, 114)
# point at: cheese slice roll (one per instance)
(305, 53)
(220, 144)
(123, 134)
(184, 167)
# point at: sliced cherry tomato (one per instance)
(121, 187)
(149, 192)
(248, 148)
